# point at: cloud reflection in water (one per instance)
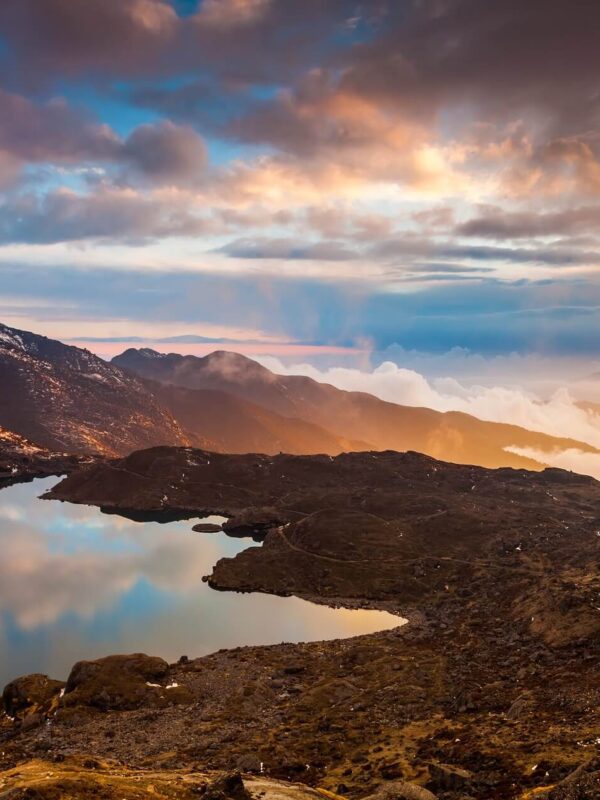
(75, 583)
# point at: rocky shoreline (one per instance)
(490, 691)
(22, 460)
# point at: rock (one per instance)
(253, 522)
(29, 692)
(294, 669)
(31, 721)
(207, 527)
(517, 708)
(227, 787)
(582, 784)
(401, 790)
(249, 763)
(450, 778)
(123, 683)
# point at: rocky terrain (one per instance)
(22, 460)
(92, 778)
(490, 691)
(67, 399)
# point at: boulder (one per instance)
(401, 790)
(227, 787)
(31, 692)
(450, 778)
(249, 763)
(123, 683)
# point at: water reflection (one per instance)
(76, 583)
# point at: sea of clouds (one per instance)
(561, 412)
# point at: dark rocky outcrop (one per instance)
(22, 460)
(227, 787)
(123, 682)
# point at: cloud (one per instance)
(559, 415)
(55, 133)
(242, 40)
(166, 153)
(109, 213)
(57, 37)
(231, 13)
(51, 132)
(496, 223)
(288, 250)
(462, 52)
(323, 124)
(572, 459)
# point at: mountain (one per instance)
(67, 399)
(451, 436)
(235, 425)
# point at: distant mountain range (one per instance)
(67, 399)
(451, 436)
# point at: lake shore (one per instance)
(490, 691)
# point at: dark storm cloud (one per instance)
(505, 58)
(506, 55)
(503, 53)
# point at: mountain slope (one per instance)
(68, 399)
(451, 436)
(235, 425)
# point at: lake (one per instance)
(79, 584)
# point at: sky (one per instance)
(330, 182)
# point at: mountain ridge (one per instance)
(66, 398)
(451, 436)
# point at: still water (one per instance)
(78, 584)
